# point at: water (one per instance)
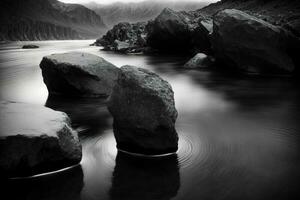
(239, 137)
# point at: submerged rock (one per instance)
(78, 74)
(35, 139)
(142, 105)
(199, 61)
(250, 44)
(30, 46)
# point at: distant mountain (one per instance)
(47, 19)
(142, 11)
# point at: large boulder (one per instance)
(142, 105)
(179, 31)
(78, 74)
(250, 44)
(35, 139)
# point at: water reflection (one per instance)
(65, 185)
(136, 178)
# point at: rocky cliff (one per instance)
(47, 19)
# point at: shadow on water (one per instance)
(88, 115)
(65, 185)
(136, 178)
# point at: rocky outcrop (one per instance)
(142, 105)
(250, 44)
(34, 140)
(199, 61)
(30, 46)
(78, 74)
(124, 37)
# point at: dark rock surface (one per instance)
(78, 74)
(124, 37)
(142, 105)
(250, 44)
(199, 61)
(30, 46)
(35, 139)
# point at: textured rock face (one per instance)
(35, 139)
(78, 74)
(144, 112)
(250, 44)
(200, 60)
(178, 31)
(131, 35)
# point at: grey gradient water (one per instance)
(239, 137)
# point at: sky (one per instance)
(113, 1)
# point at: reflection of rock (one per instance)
(250, 44)
(144, 112)
(65, 185)
(137, 178)
(35, 139)
(199, 61)
(78, 74)
(88, 115)
(30, 46)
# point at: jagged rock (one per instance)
(30, 46)
(35, 139)
(124, 37)
(199, 61)
(78, 74)
(250, 44)
(142, 105)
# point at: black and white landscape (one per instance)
(149, 100)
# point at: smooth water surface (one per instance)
(239, 137)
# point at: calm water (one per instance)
(239, 137)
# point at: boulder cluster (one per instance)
(36, 140)
(236, 40)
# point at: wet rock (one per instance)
(199, 61)
(143, 108)
(30, 46)
(78, 74)
(250, 44)
(121, 46)
(35, 139)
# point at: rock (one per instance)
(78, 74)
(124, 37)
(30, 46)
(178, 31)
(121, 46)
(142, 105)
(250, 44)
(35, 139)
(200, 60)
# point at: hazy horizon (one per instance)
(130, 1)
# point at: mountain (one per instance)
(141, 11)
(47, 19)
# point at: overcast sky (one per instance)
(112, 1)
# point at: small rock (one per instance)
(142, 105)
(30, 46)
(35, 139)
(200, 60)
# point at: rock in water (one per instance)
(144, 112)
(78, 74)
(35, 139)
(199, 61)
(250, 44)
(30, 46)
